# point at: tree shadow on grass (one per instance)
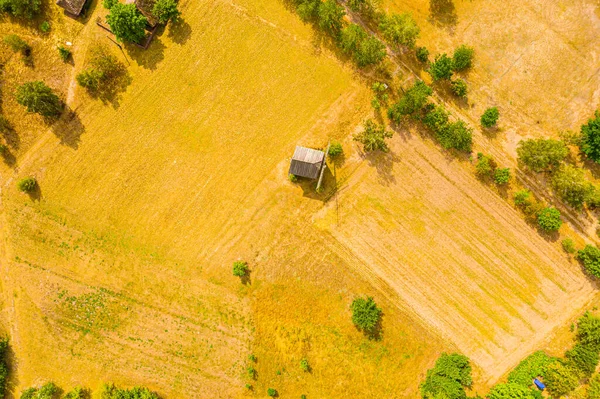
(376, 333)
(443, 13)
(13, 376)
(148, 58)
(69, 128)
(245, 279)
(9, 158)
(384, 164)
(179, 31)
(36, 193)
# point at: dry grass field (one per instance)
(119, 268)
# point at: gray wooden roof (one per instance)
(73, 7)
(307, 162)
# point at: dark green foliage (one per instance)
(27, 184)
(590, 257)
(335, 149)
(441, 68)
(549, 219)
(240, 269)
(484, 166)
(351, 37)
(330, 15)
(364, 48)
(459, 88)
(570, 184)
(127, 23)
(39, 98)
(45, 27)
(594, 388)
(64, 53)
(358, 5)
(511, 391)
(108, 4)
(399, 30)
(308, 10)
(165, 11)
(590, 138)
(490, 117)
(584, 358)
(251, 371)
(561, 379)
(16, 43)
(365, 314)
(5, 125)
(373, 136)
(541, 154)
(29, 393)
(422, 54)
(47, 391)
(568, 246)
(456, 135)
(588, 326)
(448, 378)
(436, 119)
(272, 392)
(412, 102)
(502, 176)
(463, 58)
(531, 367)
(77, 393)
(109, 391)
(21, 8)
(90, 79)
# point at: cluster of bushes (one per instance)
(104, 73)
(21, 8)
(448, 378)
(443, 68)
(548, 218)
(487, 168)
(110, 391)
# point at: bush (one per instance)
(165, 11)
(568, 246)
(411, 103)
(21, 8)
(3, 366)
(490, 117)
(561, 379)
(240, 269)
(308, 10)
(39, 98)
(456, 135)
(441, 68)
(588, 327)
(584, 358)
(77, 393)
(373, 137)
(541, 154)
(590, 257)
(109, 391)
(422, 54)
(45, 27)
(47, 391)
(272, 392)
(448, 378)
(293, 178)
(549, 219)
(511, 391)
(484, 166)
(27, 184)
(304, 365)
(399, 29)
(90, 79)
(459, 88)
(330, 16)
(522, 198)
(365, 314)
(64, 53)
(463, 58)
(103, 75)
(594, 387)
(590, 138)
(335, 149)
(570, 184)
(16, 43)
(533, 366)
(4, 124)
(127, 23)
(502, 176)
(29, 393)
(363, 48)
(108, 4)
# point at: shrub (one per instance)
(365, 314)
(594, 387)
(109, 391)
(399, 29)
(463, 58)
(27, 184)
(127, 23)
(584, 358)
(45, 27)
(459, 88)
(588, 328)
(549, 219)
(561, 379)
(490, 117)
(335, 149)
(441, 68)
(330, 15)
(252, 357)
(436, 119)
(240, 269)
(412, 102)
(21, 8)
(590, 138)
(448, 378)
(522, 198)
(511, 391)
(293, 178)
(570, 184)
(64, 53)
(165, 11)
(251, 372)
(456, 135)
(16, 43)
(373, 137)
(541, 154)
(76, 393)
(272, 392)
(108, 4)
(4, 124)
(568, 246)
(364, 48)
(531, 367)
(502, 176)
(304, 365)
(29, 393)
(103, 74)
(39, 98)
(422, 54)
(484, 166)
(90, 79)
(47, 391)
(590, 257)
(308, 10)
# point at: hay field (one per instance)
(121, 268)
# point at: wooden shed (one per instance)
(72, 7)
(307, 162)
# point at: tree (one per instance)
(569, 246)
(304, 365)
(590, 138)
(590, 257)
(459, 88)
(27, 184)
(330, 16)
(365, 314)
(64, 53)
(308, 10)
(165, 11)
(594, 388)
(370, 52)
(456, 135)
(533, 366)
(104, 73)
(549, 219)
(21, 8)
(588, 325)
(463, 58)
(422, 54)
(16, 43)
(351, 37)
(511, 391)
(127, 23)
(108, 4)
(335, 149)
(448, 378)
(240, 269)
(502, 176)
(77, 393)
(373, 137)
(570, 184)
(399, 29)
(541, 154)
(441, 68)
(584, 358)
(490, 117)
(484, 166)
(39, 98)
(561, 379)
(412, 102)
(272, 392)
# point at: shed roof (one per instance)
(73, 7)
(145, 7)
(307, 162)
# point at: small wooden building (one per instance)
(72, 7)
(307, 162)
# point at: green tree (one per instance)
(448, 378)
(584, 358)
(484, 166)
(511, 391)
(594, 387)
(441, 68)
(304, 365)
(335, 149)
(370, 52)
(330, 15)
(590, 257)
(165, 11)
(365, 314)
(533, 366)
(399, 29)
(541, 154)
(373, 136)
(549, 219)
(412, 102)
(27, 184)
(110, 391)
(108, 4)
(77, 393)
(588, 325)
(490, 117)
(456, 135)
(422, 54)
(240, 269)
(570, 184)
(463, 58)
(590, 138)
(39, 98)
(561, 379)
(568, 246)
(459, 88)
(21, 8)
(16, 43)
(64, 53)
(502, 176)
(308, 10)
(351, 37)
(127, 23)
(272, 392)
